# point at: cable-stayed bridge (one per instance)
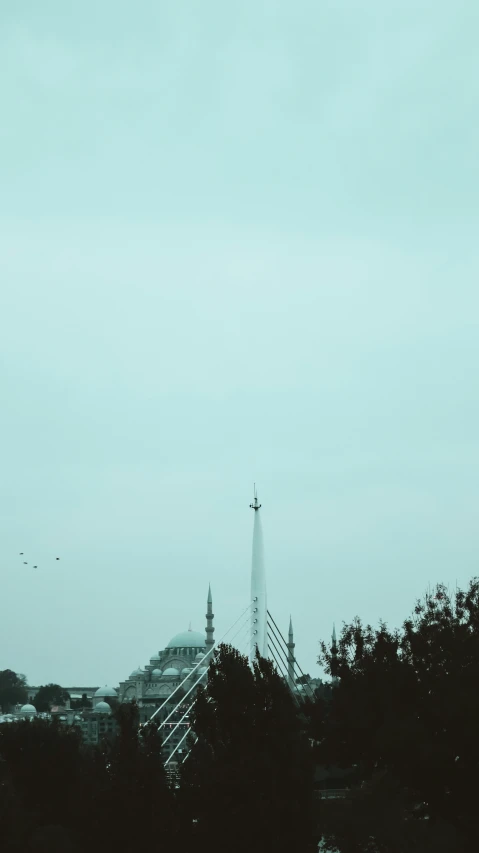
(175, 722)
(253, 631)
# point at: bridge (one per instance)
(254, 630)
(174, 717)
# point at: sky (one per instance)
(238, 243)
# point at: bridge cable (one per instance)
(194, 700)
(198, 681)
(207, 654)
(284, 641)
(311, 692)
(245, 652)
(295, 660)
(241, 628)
(177, 747)
(244, 637)
(282, 652)
(285, 678)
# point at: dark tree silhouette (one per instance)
(138, 805)
(49, 695)
(405, 713)
(57, 794)
(12, 690)
(41, 760)
(401, 723)
(248, 780)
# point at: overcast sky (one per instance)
(238, 242)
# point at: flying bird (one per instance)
(35, 567)
(21, 553)
(57, 558)
(25, 564)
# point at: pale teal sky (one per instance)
(238, 241)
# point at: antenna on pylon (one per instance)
(255, 505)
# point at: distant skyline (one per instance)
(237, 244)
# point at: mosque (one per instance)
(184, 661)
(169, 667)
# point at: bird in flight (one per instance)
(26, 564)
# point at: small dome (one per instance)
(171, 672)
(136, 673)
(156, 673)
(28, 710)
(155, 658)
(186, 672)
(187, 640)
(106, 691)
(103, 708)
(199, 656)
(202, 669)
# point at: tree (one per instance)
(12, 690)
(137, 789)
(248, 780)
(49, 695)
(377, 817)
(406, 708)
(42, 760)
(57, 794)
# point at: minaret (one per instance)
(259, 633)
(290, 647)
(209, 622)
(334, 658)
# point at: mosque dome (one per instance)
(102, 708)
(156, 673)
(202, 670)
(187, 640)
(155, 658)
(186, 671)
(171, 672)
(136, 673)
(106, 691)
(28, 710)
(199, 657)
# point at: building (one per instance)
(174, 671)
(108, 694)
(75, 692)
(166, 685)
(183, 660)
(96, 725)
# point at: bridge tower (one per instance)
(259, 631)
